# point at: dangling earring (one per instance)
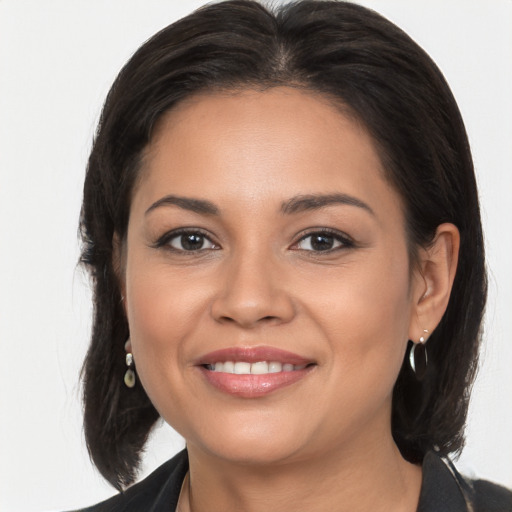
(129, 376)
(418, 357)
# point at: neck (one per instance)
(375, 478)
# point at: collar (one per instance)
(443, 489)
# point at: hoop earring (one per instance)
(418, 357)
(129, 376)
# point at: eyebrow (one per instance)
(296, 204)
(303, 203)
(200, 206)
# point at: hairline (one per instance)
(143, 158)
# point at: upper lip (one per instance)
(253, 355)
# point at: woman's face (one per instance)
(263, 236)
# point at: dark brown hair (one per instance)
(366, 63)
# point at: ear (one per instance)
(433, 281)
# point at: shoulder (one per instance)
(490, 497)
(160, 490)
(444, 488)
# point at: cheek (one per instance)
(365, 316)
(161, 312)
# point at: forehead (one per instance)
(254, 145)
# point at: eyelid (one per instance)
(345, 240)
(164, 240)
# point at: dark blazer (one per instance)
(443, 490)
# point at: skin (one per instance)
(323, 443)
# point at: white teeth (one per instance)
(258, 368)
(275, 367)
(242, 368)
(229, 367)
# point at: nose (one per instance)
(252, 293)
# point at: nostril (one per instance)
(243, 306)
(265, 319)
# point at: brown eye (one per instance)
(190, 241)
(322, 241)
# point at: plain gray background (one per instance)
(57, 61)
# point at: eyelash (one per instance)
(344, 241)
(165, 241)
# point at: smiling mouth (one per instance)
(257, 368)
(252, 372)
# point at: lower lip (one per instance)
(253, 386)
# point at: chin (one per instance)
(261, 453)
(250, 444)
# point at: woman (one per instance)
(281, 220)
